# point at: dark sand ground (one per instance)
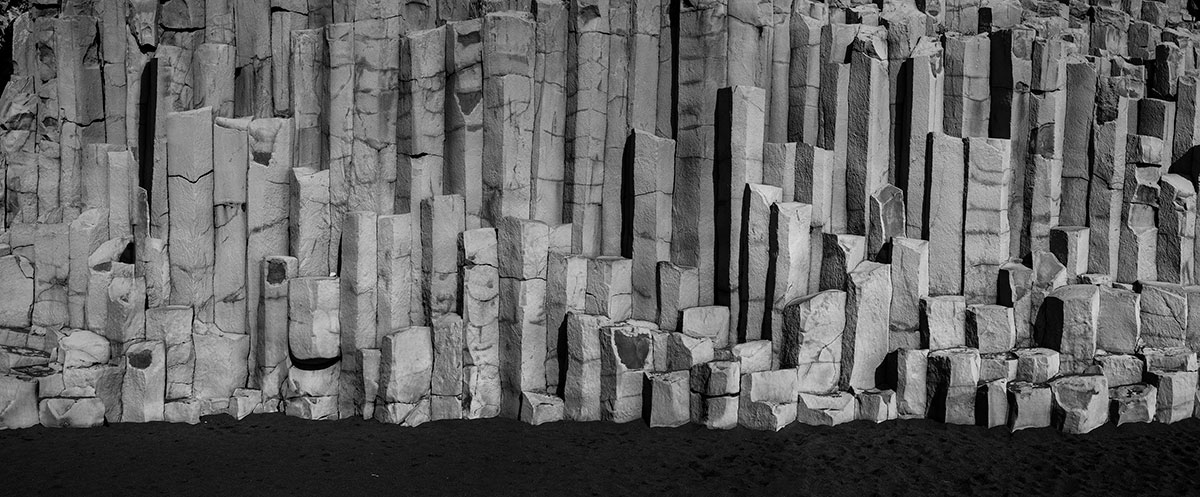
(276, 455)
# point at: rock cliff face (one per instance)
(722, 212)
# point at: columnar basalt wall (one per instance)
(723, 212)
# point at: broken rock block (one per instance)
(684, 351)
(244, 402)
(144, 386)
(812, 339)
(312, 408)
(18, 402)
(1120, 320)
(71, 413)
(625, 352)
(991, 403)
(1081, 403)
(768, 399)
(670, 399)
(313, 324)
(826, 409)
(714, 394)
(1169, 359)
(182, 411)
(17, 357)
(944, 321)
(1164, 315)
(1067, 322)
(539, 408)
(1036, 365)
(303, 382)
(754, 356)
(16, 291)
(997, 366)
(865, 339)
(876, 406)
(406, 371)
(1134, 403)
(1029, 405)
(82, 348)
(711, 322)
(911, 369)
(220, 362)
(1120, 369)
(715, 413)
(581, 390)
(952, 379)
(1176, 394)
(990, 328)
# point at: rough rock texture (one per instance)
(1080, 403)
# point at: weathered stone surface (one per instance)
(1120, 369)
(812, 340)
(311, 383)
(1120, 325)
(653, 176)
(1037, 365)
(754, 356)
(270, 342)
(182, 411)
(308, 221)
(190, 181)
(394, 284)
(1080, 403)
(625, 351)
(876, 406)
(678, 290)
(17, 357)
(1134, 403)
(16, 296)
(406, 370)
(1164, 315)
(990, 328)
(670, 401)
(538, 408)
(1176, 394)
(752, 292)
(481, 323)
(998, 365)
(826, 410)
(608, 288)
(18, 402)
(991, 403)
(910, 281)
(314, 330)
(865, 339)
(840, 255)
(1068, 322)
(144, 386)
(581, 390)
(715, 413)
(1029, 405)
(944, 321)
(952, 378)
(441, 222)
(947, 183)
(464, 115)
(71, 413)
(220, 362)
(83, 348)
(1070, 245)
(245, 401)
(1016, 291)
(738, 163)
(682, 351)
(710, 322)
(126, 314)
(1169, 359)
(447, 380)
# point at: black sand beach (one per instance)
(277, 455)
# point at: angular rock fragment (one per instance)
(447, 379)
(944, 321)
(1120, 326)
(1069, 318)
(314, 330)
(826, 409)
(711, 322)
(677, 290)
(670, 401)
(754, 356)
(990, 328)
(537, 408)
(1120, 369)
(1029, 405)
(1080, 403)
(1134, 403)
(1169, 359)
(144, 386)
(1176, 394)
(991, 403)
(18, 402)
(865, 339)
(952, 378)
(71, 413)
(812, 340)
(876, 406)
(625, 352)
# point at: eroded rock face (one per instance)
(1080, 403)
(1134, 403)
(18, 402)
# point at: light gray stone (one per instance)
(1081, 403)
